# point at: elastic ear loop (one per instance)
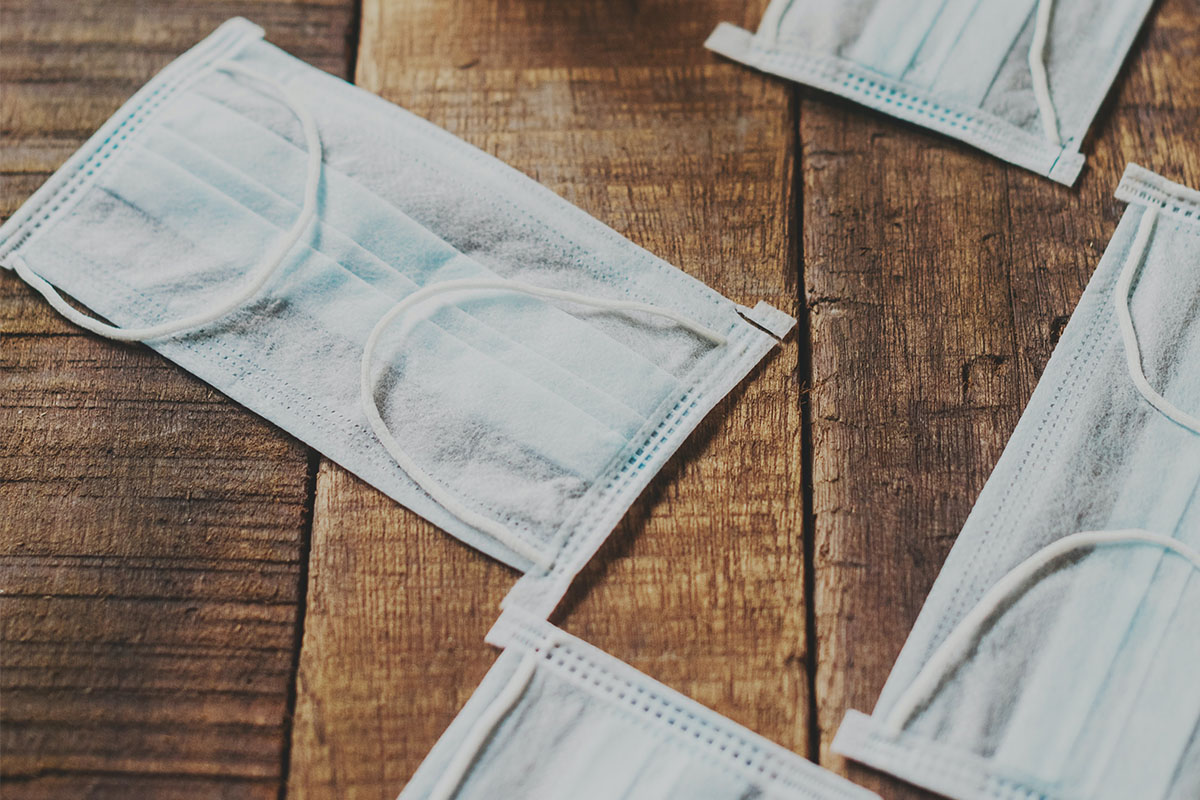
(452, 777)
(955, 648)
(456, 770)
(258, 276)
(1133, 355)
(1037, 68)
(440, 494)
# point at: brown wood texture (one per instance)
(618, 108)
(938, 281)
(151, 532)
(161, 549)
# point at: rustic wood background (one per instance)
(196, 605)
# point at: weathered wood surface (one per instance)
(154, 537)
(938, 281)
(152, 533)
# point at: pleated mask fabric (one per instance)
(1020, 79)
(1058, 653)
(557, 718)
(439, 324)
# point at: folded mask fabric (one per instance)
(1020, 79)
(1058, 653)
(557, 718)
(455, 334)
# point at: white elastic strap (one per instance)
(955, 648)
(257, 277)
(440, 494)
(1133, 354)
(457, 769)
(1037, 68)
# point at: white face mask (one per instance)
(556, 718)
(389, 295)
(1021, 79)
(1058, 653)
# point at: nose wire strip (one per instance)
(258, 277)
(435, 490)
(1037, 68)
(957, 646)
(1133, 355)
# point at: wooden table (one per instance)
(196, 605)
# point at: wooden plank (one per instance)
(938, 281)
(151, 532)
(618, 108)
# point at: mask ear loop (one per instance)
(1133, 355)
(406, 462)
(440, 494)
(452, 777)
(957, 646)
(497, 710)
(1037, 68)
(257, 277)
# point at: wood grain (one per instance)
(938, 281)
(618, 108)
(151, 532)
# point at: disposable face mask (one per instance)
(556, 718)
(1058, 653)
(1021, 79)
(445, 328)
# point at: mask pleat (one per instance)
(1093, 620)
(490, 401)
(509, 224)
(441, 373)
(1185, 783)
(1149, 708)
(1151, 680)
(991, 37)
(957, 18)
(977, 700)
(893, 34)
(1092, 626)
(393, 283)
(583, 349)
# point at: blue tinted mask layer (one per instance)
(528, 412)
(557, 718)
(1057, 653)
(1021, 79)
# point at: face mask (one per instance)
(1021, 79)
(557, 718)
(440, 325)
(1057, 654)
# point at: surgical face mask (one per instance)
(1058, 653)
(1021, 79)
(556, 718)
(442, 326)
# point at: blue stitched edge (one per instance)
(984, 131)
(642, 698)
